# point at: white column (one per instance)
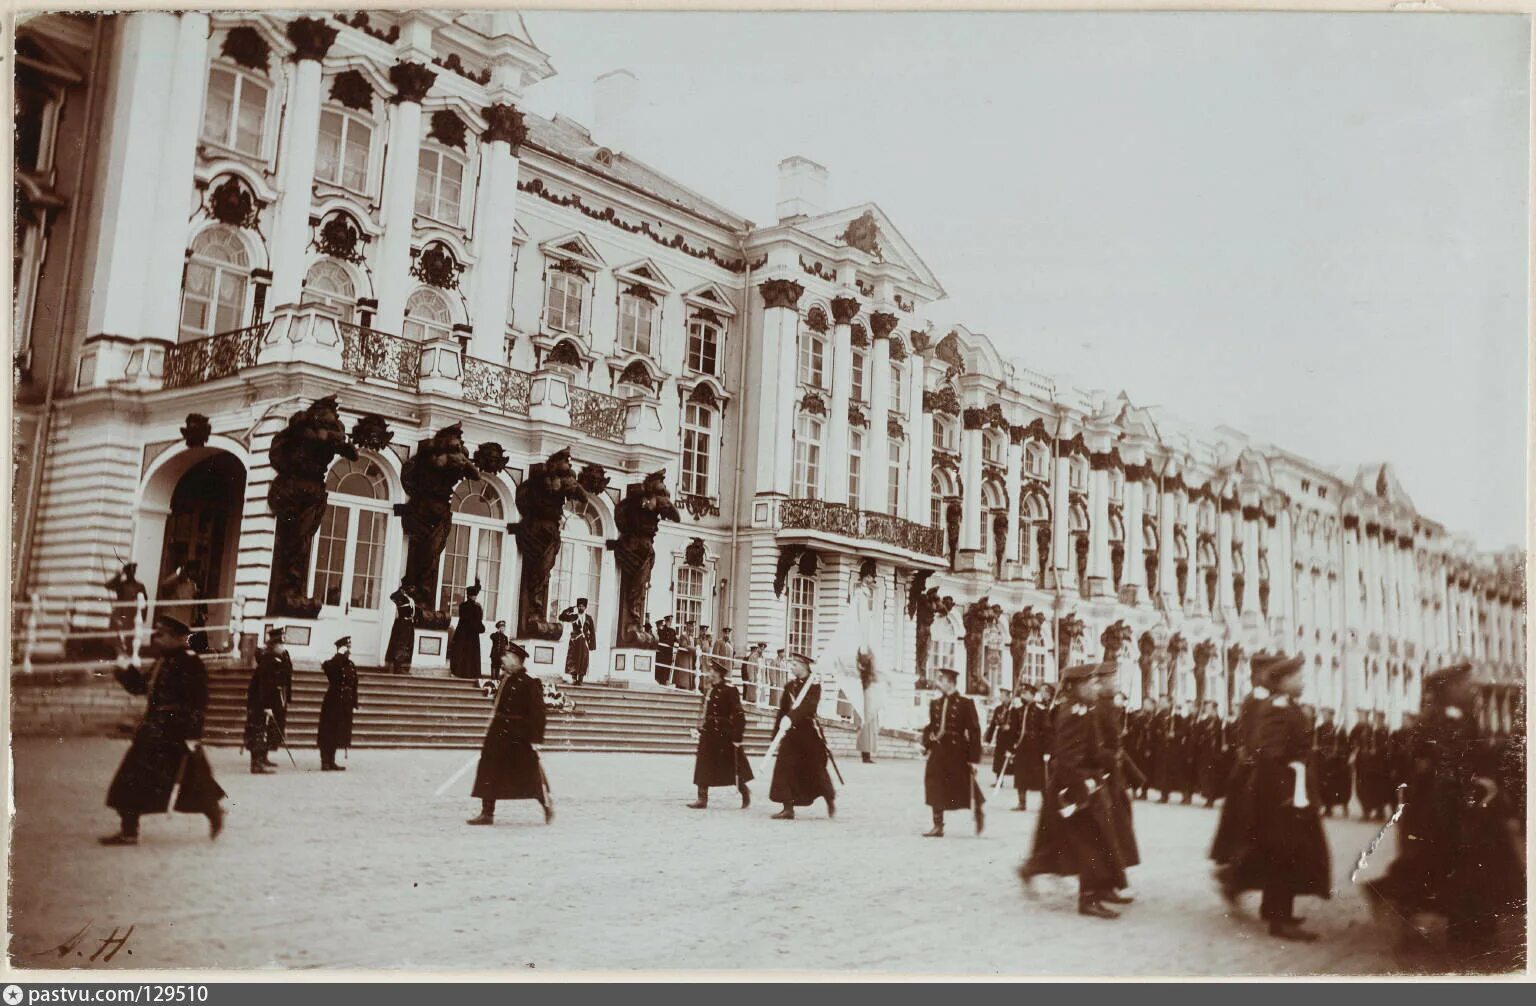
(1224, 571)
(1250, 563)
(1283, 587)
(919, 443)
(290, 231)
(1135, 575)
(495, 215)
(135, 147)
(970, 491)
(398, 208)
(1167, 575)
(876, 443)
(1061, 521)
(1099, 583)
(840, 373)
(775, 431)
(1015, 485)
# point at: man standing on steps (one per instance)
(720, 760)
(666, 642)
(264, 701)
(509, 766)
(723, 654)
(952, 741)
(583, 640)
(337, 706)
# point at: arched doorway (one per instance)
(474, 549)
(579, 573)
(347, 562)
(199, 546)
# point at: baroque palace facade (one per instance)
(309, 303)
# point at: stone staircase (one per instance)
(411, 712)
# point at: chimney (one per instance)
(615, 98)
(802, 188)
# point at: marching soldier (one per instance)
(1110, 710)
(176, 690)
(720, 760)
(265, 702)
(1184, 755)
(337, 707)
(509, 767)
(1003, 733)
(1332, 764)
(800, 772)
(1400, 758)
(1034, 742)
(1075, 834)
(1138, 742)
(1457, 856)
(1368, 740)
(1285, 853)
(1207, 744)
(1234, 828)
(1162, 744)
(952, 741)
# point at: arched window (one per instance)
(1078, 475)
(579, 572)
(1077, 528)
(946, 435)
(348, 559)
(698, 449)
(342, 154)
(807, 457)
(993, 447)
(427, 316)
(235, 114)
(439, 183)
(330, 285)
(473, 551)
(813, 358)
(935, 501)
(217, 278)
(992, 503)
(1036, 460)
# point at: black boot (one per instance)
(259, 767)
(487, 813)
(746, 796)
(127, 831)
(866, 759)
(215, 822)
(937, 831)
(787, 814)
(702, 801)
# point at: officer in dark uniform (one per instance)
(498, 647)
(952, 741)
(1400, 758)
(1075, 834)
(1002, 733)
(1138, 743)
(800, 771)
(720, 760)
(1234, 828)
(1209, 750)
(1285, 853)
(1332, 764)
(1110, 709)
(336, 708)
(266, 703)
(509, 766)
(1030, 749)
(1162, 768)
(176, 690)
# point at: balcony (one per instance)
(369, 353)
(862, 525)
(201, 360)
(503, 388)
(598, 415)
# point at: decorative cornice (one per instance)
(980, 418)
(504, 124)
(816, 319)
(1103, 461)
(857, 416)
(1372, 529)
(783, 293)
(893, 427)
(881, 324)
(1035, 431)
(412, 81)
(1138, 473)
(1076, 447)
(919, 342)
(1253, 512)
(844, 310)
(943, 401)
(858, 337)
(1351, 521)
(946, 460)
(813, 403)
(312, 38)
(818, 270)
(1230, 504)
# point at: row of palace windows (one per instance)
(815, 370)
(807, 475)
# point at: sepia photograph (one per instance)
(828, 493)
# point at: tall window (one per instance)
(945, 437)
(992, 448)
(214, 290)
(427, 316)
(236, 113)
(860, 365)
(807, 468)
(855, 465)
(703, 346)
(1035, 461)
(898, 388)
(1079, 475)
(688, 595)
(579, 570)
(637, 319)
(1116, 486)
(813, 358)
(439, 184)
(698, 448)
(348, 562)
(341, 157)
(567, 292)
(935, 501)
(474, 547)
(330, 285)
(802, 614)
(896, 480)
(992, 503)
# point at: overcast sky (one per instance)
(1311, 228)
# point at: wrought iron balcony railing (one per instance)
(487, 383)
(367, 352)
(598, 415)
(209, 359)
(837, 518)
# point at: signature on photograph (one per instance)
(107, 947)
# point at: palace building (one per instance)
(225, 218)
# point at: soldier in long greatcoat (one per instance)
(1138, 743)
(1003, 732)
(509, 767)
(952, 741)
(800, 772)
(1110, 710)
(1332, 764)
(1368, 744)
(336, 708)
(1032, 746)
(1209, 748)
(1285, 853)
(266, 706)
(1161, 770)
(176, 691)
(1235, 825)
(720, 760)
(1075, 834)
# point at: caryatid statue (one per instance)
(639, 516)
(541, 501)
(439, 464)
(301, 455)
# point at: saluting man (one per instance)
(583, 640)
(720, 760)
(952, 740)
(176, 690)
(337, 707)
(509, 766)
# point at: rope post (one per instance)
(236, 622)
(29, 639)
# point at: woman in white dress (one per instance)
(854, 658)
